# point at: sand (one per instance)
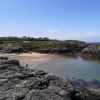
(32, 59)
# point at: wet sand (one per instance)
(32, 59)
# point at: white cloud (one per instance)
(83, 35)
(3, 34)
(86, 36)
(58, 34)
(92, 34)
(53, 31)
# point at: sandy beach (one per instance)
(32, 59)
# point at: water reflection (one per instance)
(85, 71)
(82, 83)
(70, 55)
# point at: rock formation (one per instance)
(20, 83)
(92, 51)
(15, 49)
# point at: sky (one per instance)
(56, 19)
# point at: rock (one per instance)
(16, 49)
(68, 46)
(62, 93)
(40, 72)
(19, 83)
(3, 58)
(14, 62)
(92, 51)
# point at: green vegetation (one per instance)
(39, 44)
(30, 44)
(27, 42)
(5, 44)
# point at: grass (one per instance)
(30, 45)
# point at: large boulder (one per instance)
(92, 51)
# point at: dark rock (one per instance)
(40, 72)
(3, 57)
(69, 46)
(92, 51)
(19, 83)
(16, 49)
(14, 62)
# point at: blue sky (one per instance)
(58, 19)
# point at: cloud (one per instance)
(58, 34)
(92, 34)
(86, 36)
(83, 35)
(3, 34)
(53, 31)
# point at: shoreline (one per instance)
(26, 84)
(31, 59)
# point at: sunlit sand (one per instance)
(32, 59)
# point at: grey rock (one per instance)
(15, 49)
(20, 83)
(13, 62)
(92, 49)
(3, 58)
(92, 52)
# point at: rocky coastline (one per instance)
(91, 52)
(21, 83)
(68, 46)
(86, 52)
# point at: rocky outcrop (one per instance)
(20, 83)
(3, 58)
(92, 51)
(69, 46)
(54, 46)
(16, 49)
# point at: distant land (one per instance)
(93, 43)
